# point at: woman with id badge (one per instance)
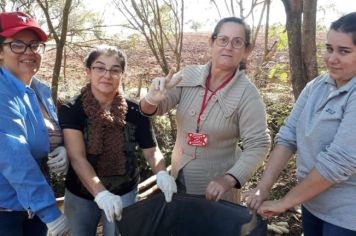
(222, 135)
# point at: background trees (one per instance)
(154, 35)
(301, 42)
(59, 33)
(161, 24)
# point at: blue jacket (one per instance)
(23, 143)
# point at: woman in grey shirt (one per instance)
(218, 108)
(322, 130)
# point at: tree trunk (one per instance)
(259, 24)
(268, 3)
(64, 63)
(293, 10)
(60, 40)
(309, 41)
(60, 46)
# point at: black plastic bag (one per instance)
(188, 215)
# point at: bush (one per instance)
(276, 114)
(57, 181)
(162, 129)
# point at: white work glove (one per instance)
(161, 86)
(58, 227)
(167, 184)
(110, 203)
(58, 161)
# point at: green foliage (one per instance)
(320, 27)
(320, 46)
(195, 25)
(276, 114)
(57, 181)
(83, 24)
(279, 71)
(282, 43)
(285, 182)
(132, 40)
(165, 16)
(278, 31)
(162, 130)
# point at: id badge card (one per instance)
(197, 139)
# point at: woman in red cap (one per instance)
(29, 133)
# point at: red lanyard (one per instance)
(205, 101)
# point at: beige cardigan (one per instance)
(235, 114)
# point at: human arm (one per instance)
(155, 159)
(58, 161)
(57, 158)
(252, 130)
(158, 91)
(285, 146)
(165, 182)
(21, 144)
(310, 187)
(333, 160)
(58, 227)
(249, 125)
(217, 188)
(277, 161)
(146, 139)
(74, 143)
(110, 203)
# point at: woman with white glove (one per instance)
(160, 87)
(102, 132)
(29, 131)
(58, 227)
(218, 108)
(167, 184)
(58, 161)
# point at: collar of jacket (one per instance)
(228, 97)
(345, 88)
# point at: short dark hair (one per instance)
(234, 20)
(346, 24)
(104, 49)
(237, 20)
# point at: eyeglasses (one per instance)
(236, 42)
(101, 71)
(20, 47)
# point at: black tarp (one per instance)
(188, 215)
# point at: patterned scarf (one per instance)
(105, 133)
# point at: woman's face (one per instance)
(24, 65)
(105, 75)
(340, 57)
(228, 57)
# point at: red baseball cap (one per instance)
(14, 22)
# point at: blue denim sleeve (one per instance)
(20, 172)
